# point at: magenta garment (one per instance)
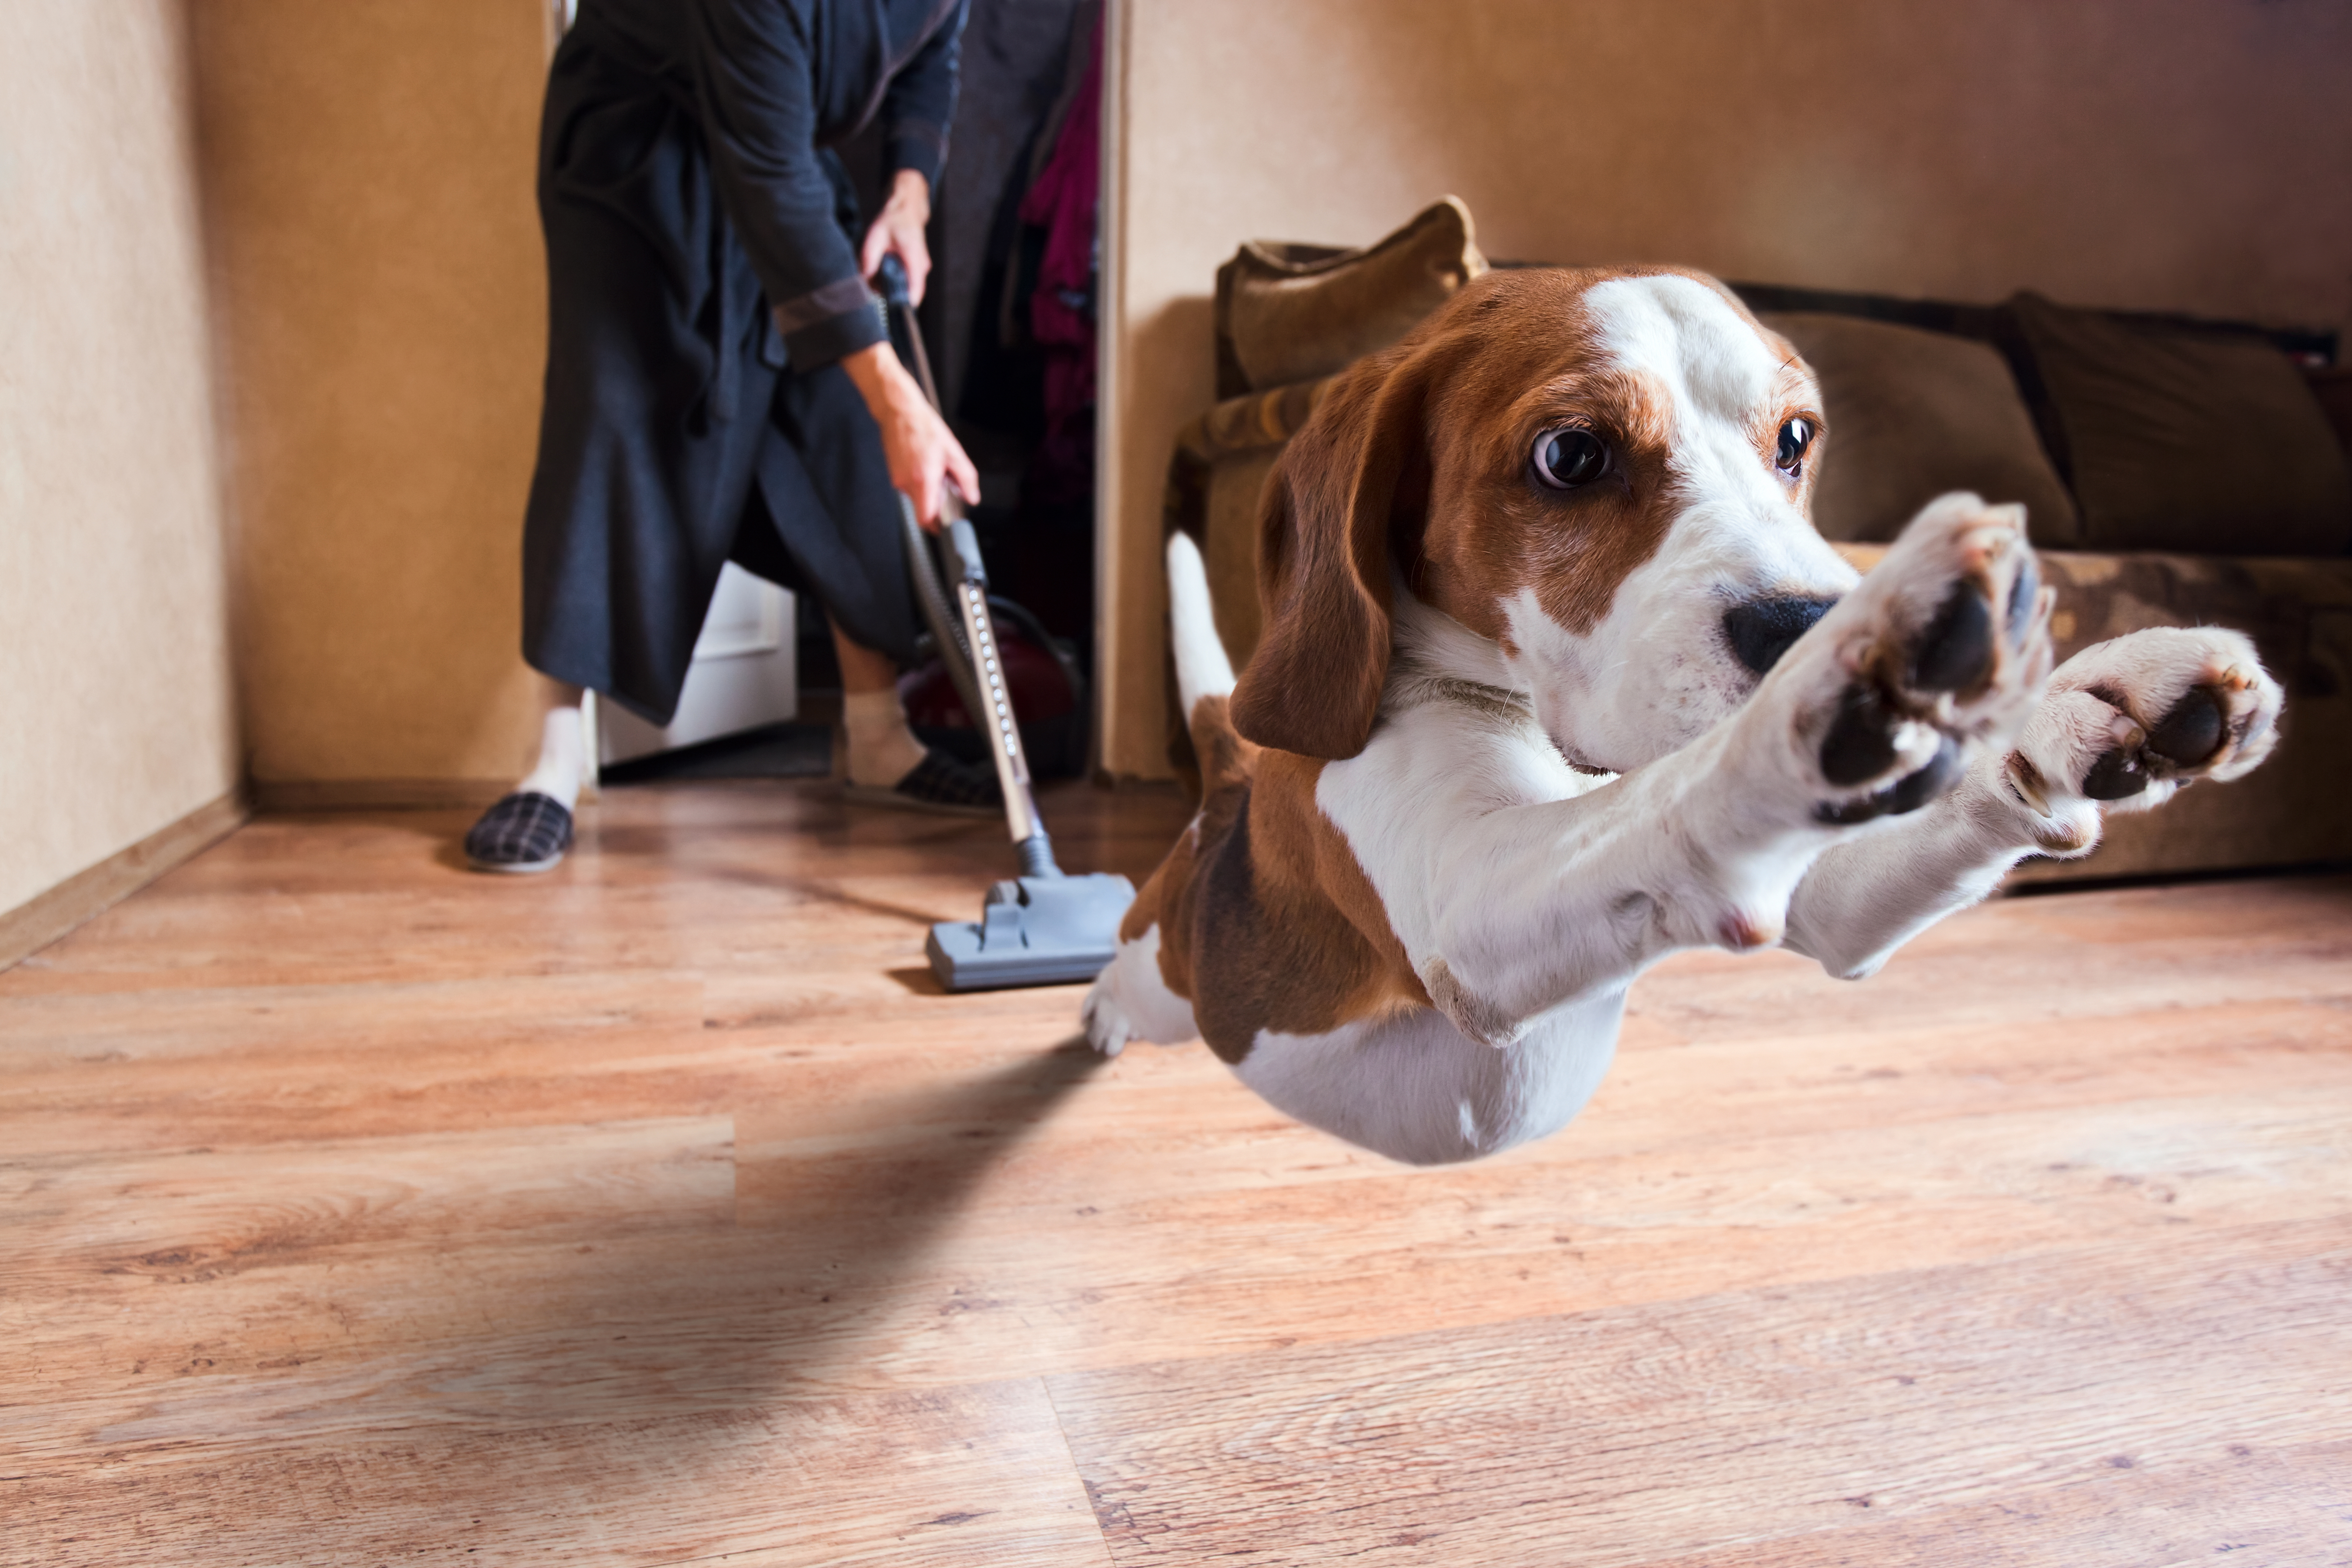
(1062, 312)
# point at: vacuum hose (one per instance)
(956, 610)
(947, 633)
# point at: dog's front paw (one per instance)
(2131, 721)
(1945, 644)
(1107, 1025)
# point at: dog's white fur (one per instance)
(1528, 893)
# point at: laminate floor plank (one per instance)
(978, 1474)
(2282, 1505)
(354, 1208)
(715, 877)
(256, 1065)
(931, 1253)
(261, 1063)
(1716, 1421)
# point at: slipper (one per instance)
(938, 783)
(522, 833)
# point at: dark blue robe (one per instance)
(703, 286)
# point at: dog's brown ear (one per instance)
(1347, 497)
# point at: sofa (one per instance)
(2176, 471)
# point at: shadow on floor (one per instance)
(786, 751)
(825, 1283)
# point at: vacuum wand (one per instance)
(995, 715)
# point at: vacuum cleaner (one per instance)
(1041, 927)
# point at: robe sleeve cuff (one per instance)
(824, 324)
(922, 146)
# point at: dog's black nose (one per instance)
(1761, 629)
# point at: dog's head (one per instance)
(1602, 475)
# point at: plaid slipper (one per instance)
(524, 832)
(938, 783)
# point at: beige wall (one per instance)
(2179, 154)
(116, 717)
(381, 304)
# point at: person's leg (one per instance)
(563, 748)
(826, 489)
(647, 446)
(882, 749)
(530, 827)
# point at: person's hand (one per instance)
(924, 455)
(901, 229)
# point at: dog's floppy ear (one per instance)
(1347, 496)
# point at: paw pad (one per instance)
(1956, 652)
(1909, 793)
(2192, 731)
(1964, 667)
(2185, 738)
(2116, 776)
(1861, 742)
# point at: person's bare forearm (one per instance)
(923, 453)
(881, 380)
(914, 192)
(926, 461)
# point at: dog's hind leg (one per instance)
(1201, 667)
(2126, 724)
(1132, 999)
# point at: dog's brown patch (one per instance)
(1263, 896)
(1345, 487)
(1226, 764)
(1289, 932)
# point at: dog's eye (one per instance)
(1795, 436)
(1566, 459)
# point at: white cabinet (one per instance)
(742, 676)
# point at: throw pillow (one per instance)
(1913, 414)
(2332, 388)
(2200, 443)
(1294, 312)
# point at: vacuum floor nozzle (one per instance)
(1035, 931)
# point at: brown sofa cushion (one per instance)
(1913, 414)
(2332, 388)
(1295, 312)
(2201, 443)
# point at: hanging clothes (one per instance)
(1061, 202)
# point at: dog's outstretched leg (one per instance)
(2125, 725)
(1509, 913)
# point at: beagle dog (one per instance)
(1557, 677)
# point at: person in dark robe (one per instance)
(720, 385)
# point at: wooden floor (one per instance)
(356, 1209)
